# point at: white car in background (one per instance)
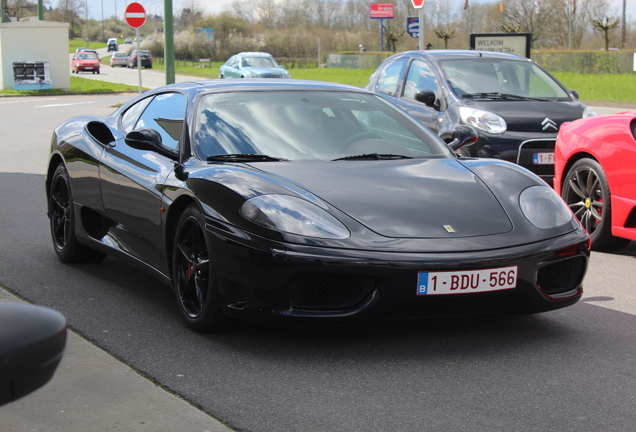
(119, 58)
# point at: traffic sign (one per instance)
(135, 15)
(417, 3)
(413, 26)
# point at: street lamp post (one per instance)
(87, 38)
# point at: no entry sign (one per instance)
(135, 15)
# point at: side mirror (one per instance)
(463, 136)
(149, 140)
(575, 94)
(32, 341)
(427, 97)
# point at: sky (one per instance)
(109, 7)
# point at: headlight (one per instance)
(483, 120)
(293, 215)
(588, 112)
(543, 207)
(252, 75)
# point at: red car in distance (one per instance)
(595, 173)
(85, 61)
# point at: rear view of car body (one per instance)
(145, 59)
(514, 105)
(119, 58)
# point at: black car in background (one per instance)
(515, 106)
(146, 59)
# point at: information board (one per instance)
(32, 75)
(512, 43)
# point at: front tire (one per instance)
(62, 222)
(586, 191)
(194, 276)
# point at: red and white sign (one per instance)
(417, 3)
(381, 10)
(135, 15)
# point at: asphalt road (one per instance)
(567, 370)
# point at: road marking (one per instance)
(66, 104)
(27, 99)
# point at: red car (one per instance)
(84, 61)
(595, 173)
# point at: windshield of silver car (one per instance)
(479, 76)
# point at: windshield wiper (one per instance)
(239, 157)
(373, 156)
(499, 95)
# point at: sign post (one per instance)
(419, 4)
(136, 17)
(381, 11)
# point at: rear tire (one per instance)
(586, 191)
(62, 222)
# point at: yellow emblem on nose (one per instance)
(449, 228)
(588, 203)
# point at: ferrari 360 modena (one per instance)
(307, 203)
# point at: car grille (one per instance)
(271, 76)
(561, 277)
(320, 291)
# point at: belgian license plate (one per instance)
(467, 281)
(545, 158)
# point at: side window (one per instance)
(129, 118)
(389, 79)
(165, 114)
(420, 77)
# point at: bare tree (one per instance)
(604, 25)
(445, 35)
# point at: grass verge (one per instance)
(78, 86)
(619, 89)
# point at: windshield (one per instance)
(309, 125)
(474, 77)
(264, 62)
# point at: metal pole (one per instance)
(87, 38)
(138, 57)
(116, 35)
(570, 24)
(103, 38)
(421, 36)
(168, 42)
(40, 10)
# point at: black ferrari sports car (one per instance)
(303, 202)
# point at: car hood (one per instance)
(265, 71)
(530, 116)
(432, 198)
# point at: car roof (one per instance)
(255, 84)
(458, 54)
(254, 54)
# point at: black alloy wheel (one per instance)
(194, 276)
(62, 222)
(586, 192)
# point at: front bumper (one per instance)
(269, 281)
